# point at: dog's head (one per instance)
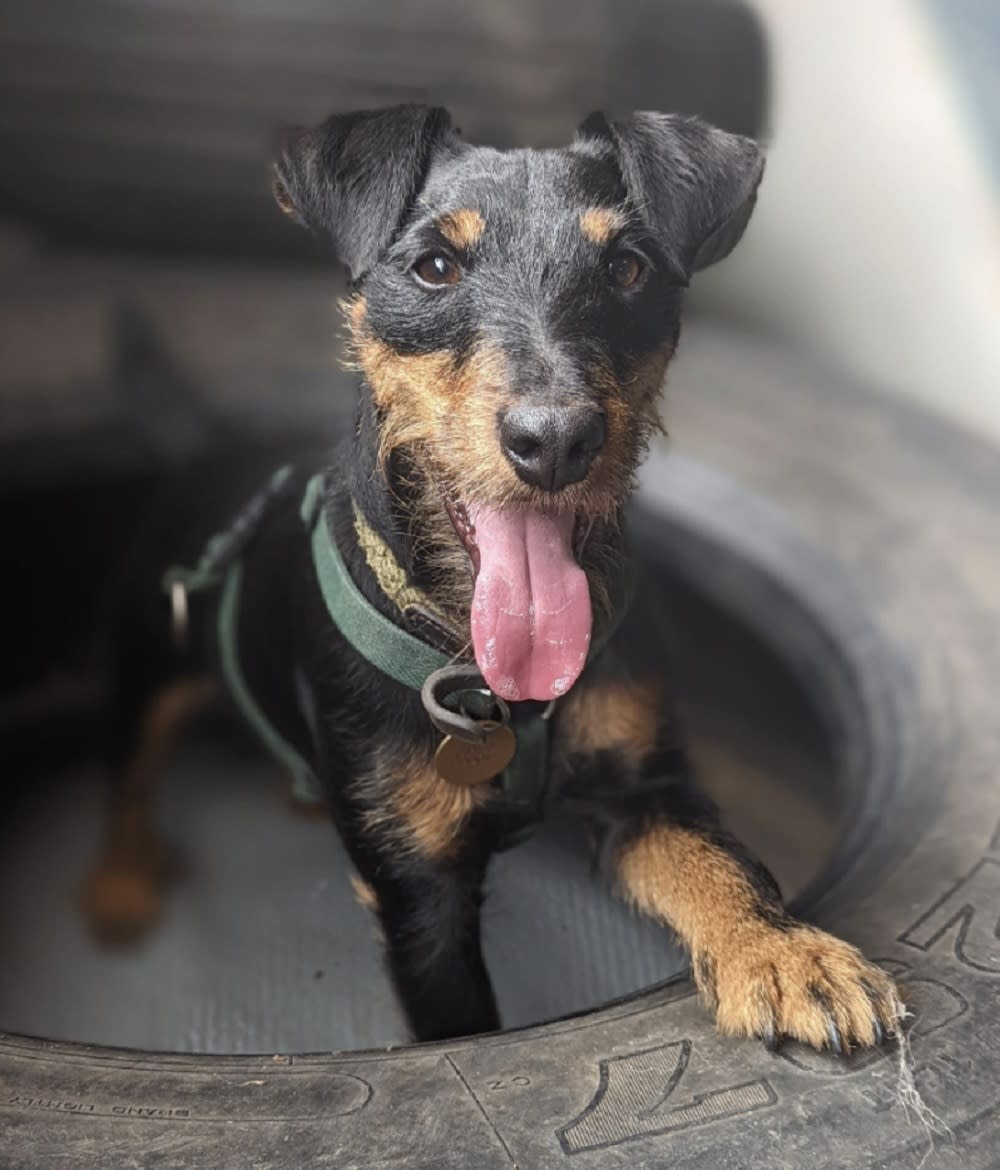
(514, 313)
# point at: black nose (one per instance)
(551, 447)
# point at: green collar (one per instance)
(392, 650)
(389, 648)
(411, 662)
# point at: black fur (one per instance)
(696, 184)
(538, 288)
(357, 174)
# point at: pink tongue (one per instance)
(531, 614)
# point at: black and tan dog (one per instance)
(512, 317)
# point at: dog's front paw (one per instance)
(795, 981)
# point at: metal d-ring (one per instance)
(179, 618)
(449, 681)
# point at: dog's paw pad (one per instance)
(120, 903)
(799, 982)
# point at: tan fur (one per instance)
(170, 709)
(757, 976)
(442, 414)
(121, 897)
(448, 410)
(354, 309)
(281, 196)
(364, 894)
(601, 224)
(631, 407)
(463, 228)
(622, 715)
(120, 903)
(413, 806)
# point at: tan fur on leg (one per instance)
(412, 806)
(763, 974)
(122, 895)
(363, 893)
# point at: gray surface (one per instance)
(262, 902)
(263, 948)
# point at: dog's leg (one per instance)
(121, 896)
(429, 917)
(762, 972)
(410, 837)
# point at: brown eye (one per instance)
(625, 269)
(437, 269)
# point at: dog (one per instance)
(511, 316)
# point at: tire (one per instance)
(889, 612)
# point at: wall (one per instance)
(876, 242)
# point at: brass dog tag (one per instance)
(460, 762)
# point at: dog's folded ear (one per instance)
(356, 175)
(693, 184)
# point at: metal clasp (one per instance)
(459, 703)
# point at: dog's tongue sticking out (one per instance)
(531, 616)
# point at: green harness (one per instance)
(392, 650)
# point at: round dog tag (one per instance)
(460, 762)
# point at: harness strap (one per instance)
(304, 783)
(225, 548)
(526, 780)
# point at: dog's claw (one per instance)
(835, 1038)
(805, 985)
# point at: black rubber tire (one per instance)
(185, 196)
(889, 611)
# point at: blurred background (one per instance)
(149, 288)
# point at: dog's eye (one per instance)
(437, 269)
(624, 269)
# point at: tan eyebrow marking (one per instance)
(599, 224)
(463, 228)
